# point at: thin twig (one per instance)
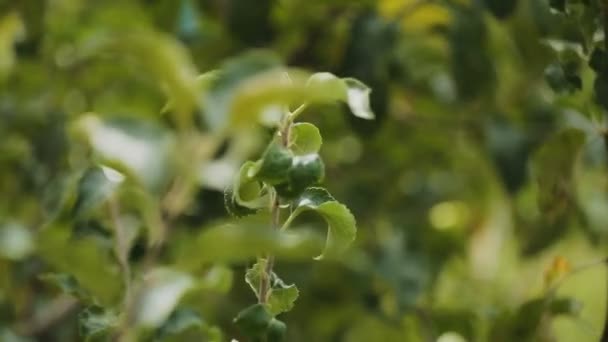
(265, 277)
(275, 208)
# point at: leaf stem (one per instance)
(293, 115)
(287, 222)
(284, 132)
(265, 278)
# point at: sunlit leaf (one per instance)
(96, 185)
(221, 94)
(138, 148)
(252, 83)
(349, 90)
(163, 290)
(305, 138)
(16, 241)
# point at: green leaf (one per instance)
(96, 323)
(245, 196)
(553, 167)
(276, 331)
(203, 82)
(220, 97)
(96, 185)
(565, 306)
(180, 321)
(281, 297)
(254, 274)
(217, 278)
(341, 222)
(349, 90)
(250, 84)
(68, 284)
(233, 208)
(164, 288)
(78, 257)
(305, 171)
(562, 80)
(169, 64)
(274, 165)
(305, 139)
(473, 73)
(254, 320)
(139, 149)
(243, 239)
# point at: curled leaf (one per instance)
(341, 223)
(245, 195)
(348, 90)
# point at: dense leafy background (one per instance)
(479, 190)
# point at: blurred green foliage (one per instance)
(480, 190)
